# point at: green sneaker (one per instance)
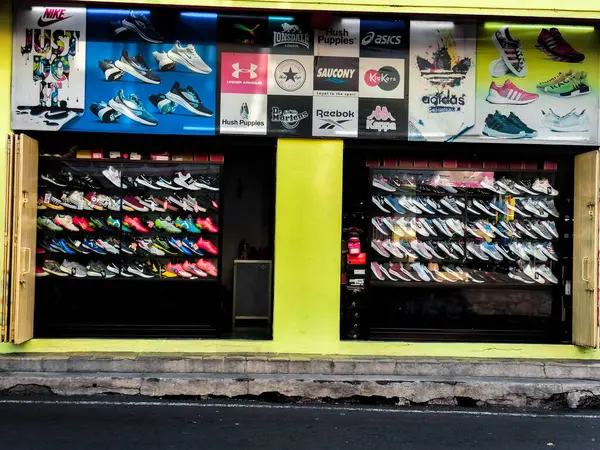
(46, 222)
(166, 224)
(556, 79)
(163, 245)
(98, 224)
(573, 86)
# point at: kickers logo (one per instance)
(386, 78)
(244, 73)
(443, 101)
(381, 120)
(52, 16)
(291, 36)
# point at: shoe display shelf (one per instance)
(129, 220)
(464, 229)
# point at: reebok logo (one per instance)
(381, 120)
(335, 37)
(381, 39)
(52, 16)
(335, 114)
(251, 71)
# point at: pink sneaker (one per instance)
(509, 94)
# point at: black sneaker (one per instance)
(138, 23)
(525, 186)
(162, 103)
(137, 68)
(514, 119)
(63, 179)
(207, 182)
(378, 201)
(128, 182)
(140, 270)
(84, 182)
(111, 73)
(499, 126)
(189, 99)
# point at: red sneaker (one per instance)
(194, 270)
(207, 267)
(82, 223)
(39, 272)
(207, 224)
(207, 245)
(177, 270)
(135, 223)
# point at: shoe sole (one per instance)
(182, 102)
(574, 93)
(506, 101)
(574, 129)
(129, 113)
(131, 27)
(507, 189)
(138, 273)
(53, 272)
(67, 273)
(490, 132)
(382, 187)
(168, 186)
(178, 59)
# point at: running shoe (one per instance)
(143, 180)
(554, 45)
(490, 185)
(133, 204)
(165, 64)
(98, 270)
(408, 204)
(162, 182)
(571, 122)
(194, 270)
(540, 229)
(207, 225)
(392, 248)
(525, 228)
(535, 251)
(177, 244)
(548, 250)
(511, 51)
(392, 202)
(377, 245)
(451, 204)
(147, 246)
(63, 179)
(112, 267)
(53, 268)
(163, 244)
(429, 226)
(186, 181)
(138, 23)
(508, 185)
(65, 222)
(420, 249)
(113, 175)
(525, 186)
(62, 246)
(406, 227)
(92, 246)
(205, 244)
(432, 249)
(74, 269)
(104, 112)
(532, 206)
(110, 245)
(377, 222)
(47, 223)
(39, 272)
(491, 250)
(477, 251)
(498, 126)
(446, 249)
(187, 224)
(416, 225)
(504, 251)
(140, 270)
(111, 73)
(166, 224)
(188, 57)
(528, 132)
(441, 225)
(543, 187)
(380, 202)
(191, 245)
(530, 271)
(207, 182)
(382, 183)
(398, 271)
(545, 272)
(135, 223)
(551, 227)
(83, 224)
(556, 79)
(519, 207)
(177, 270)
(509, 94)
(133, 108)
(421, 271)
(574, 85)
(189, 99)
(92, 201)
(483, 207)
(519, 275)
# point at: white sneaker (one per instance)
(457, 248)
(518, 250)
(113, 175)
(498, 68)
(545, 272)
(428, 227)
(540, 229)
(570, 122)
(186, 181)
(483, 207)
(441, 225)
(533, 274)
(420, 249)
(456, 226)
(407, 203)
(189, 58)
(532, 207)
(164, 62)
(421, 271)
(418, 226)
(405, 226)
(543, 187)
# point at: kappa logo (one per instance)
(288, 118)
(381, 39)
(52, 16)
(386, 78)
(290, 75)
(334, 119)
(251, 71)
(335, 75)
(381, 120)
(291, 36)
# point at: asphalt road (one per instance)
(127, 425)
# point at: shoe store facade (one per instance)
(329, 179)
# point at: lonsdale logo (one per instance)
(443, 101)
(52, 16)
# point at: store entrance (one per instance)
(139, 236)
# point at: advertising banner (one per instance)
(537, 83)
(442, 80)
(48, 68)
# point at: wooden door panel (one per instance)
(7, 236)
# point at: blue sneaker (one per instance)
(393, 203)
(187, 225)
(191, 245)
(177, 244)
(499, 126)
(62, 245)
(133, 108)
(89, 244)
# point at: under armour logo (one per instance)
(237, 70)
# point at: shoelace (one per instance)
(135, 99)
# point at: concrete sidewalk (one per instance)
(465, 382)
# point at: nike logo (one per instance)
(52, 16)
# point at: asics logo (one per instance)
(251, 71)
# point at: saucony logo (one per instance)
(52, 16)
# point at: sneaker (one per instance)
(551, 227)
(548, 206)
(498, 68)
(133, 204)
(473, 230)
(39, 272)
(472, 209)
(417, 225)
(422, 204)
(133, 108)
(143, 180)
(382, 183)
(519, 207)
(498, 230)
(532, 206)
(379, 225)
(114, 223)
(543, 187)
(509, 94)
(517, 122)
(434, 205)
(482, 207)
(104, 112)
(166, 224)
(113, 175)
(504, 251)
(98, 270)
(392, 248)
(65, 222)
(525, 186)
(386, 273)
(406, 227)
(111, 73)
(48, 200)
(394, 204)
(421, 271)
(484, 228)
(525, 228)
(207, 267)
(554, 45)
(194, 270)
(455, 226)
(536, 252)
(205, 244)
(407, 249)
(408, 204)
(540, 230)
(92, 201)
(574, 85)
(380, 202)
(73, 200)
(206, 182)
(376, 270)
(162, 182)
(177, 244)
(420, 249)
(140, 270)
(135, 223)
(139, 24)
(398, 271)
(519, 275)
(498, 126)
(74, 269)
(490, 185)
(62, 246)
(518, 250)
(113, 268)
(188, 99)
(442, 226)
(533, 274)
(92, 246)
(428, 225)
(548, 250)
(186, 181)
(63, 179)
(556, 79)
(511, 51)
(147, 246)
(508, 185)
(477, 251)
(388, 222)
(191, 245)
(137, 68)
(446, 249)
(431, 249)
(451, 204)
(546, 273)
(188, 57)
(491, 250)
(177, 269)
(570, 122)
(165, 63)
(53, 268)
(47, 223)
(510, 229)
(377, 245)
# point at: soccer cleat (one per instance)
(104, 112)
(113, 175)
(140, 270)
(143, 180)
(138, 23)
(133, 108)
(194, 270)
(205, 244)
(380, 202)
(177, 244)
(177, 270)
(382, 183)
(543, 187)
(188, 57)
(83, 224)
(166, 224)
(189, 99)
(46, 222)
(147, 246)
(74, 269)
(133, 204)
(111, 73)
(509, 94)
(65, 222)
(165, 63)
(498, 126)
(554, 45)
(511, 51)
(187, 224)
(185, 180)
(135, 223)
(208, 225)
(574, 85)
(114, 223)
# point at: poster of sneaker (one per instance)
(150, 71)
(442, 80)
(537, 84)
(48, 67)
